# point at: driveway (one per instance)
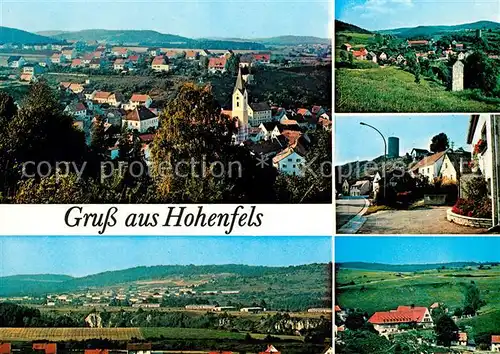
(427, 220)
(347, 208)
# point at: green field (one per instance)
(189, 333)
(355, 39)
(390, 89)
(372, 291)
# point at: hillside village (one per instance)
(116, 90)
(458, 316)
(425, 167)
(436, 59)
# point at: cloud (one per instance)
(377, 7)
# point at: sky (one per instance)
(79, 255)
(190, 18)
(355, 142)
(386, 14)
(416, 250)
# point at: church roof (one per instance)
(239, 83)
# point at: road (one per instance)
(347, 208)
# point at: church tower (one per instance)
(240, 108)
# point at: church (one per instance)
(246, 114)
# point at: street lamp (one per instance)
(385, 150)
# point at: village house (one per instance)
(346, 47)
(259, 112)
(45, 62)
(77, 63)
(138, 99)
(290, 161)
(96, 63)
(15, 61)
(217, 65)
(454, 165)
(360, 188)
(317, 110)
(382, 56)
(5, 348)
(159, 63)
(120, 52)
(391, 321)
(192, 55)
(57, 58)
(33, 69)
(418, 154)
(360, 54)
(87, 58)
(68, 53)
(418, 43)
(270, 130)
(429, 167)
(261, 58)
(78, 110)
(371, 56)
(484, 136)
(140, 118)
(495, 343)
(121, 64)
(111, 98)
(462, 339)
(270, 349)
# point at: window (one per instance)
(284, 166)
(298, 160)
(289, 160)
(237, 104)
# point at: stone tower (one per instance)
(457, 76)
(240, 108)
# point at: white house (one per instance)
(359, 188)
(259, 113)
(495, 343)
(270, 130)
(140, 118)
(289, 162)
(159, 63)
(138, 99)
(16, 61)
(429, 167)
(391, 321)
(78, 110)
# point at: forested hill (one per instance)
(404, 267)
(347, 27)
(231, 273)
(152, 38)
(13, 35)
(433, 30)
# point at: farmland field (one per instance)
(66, 334)
(389, 89)
(189, 333)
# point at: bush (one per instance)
(473, 208)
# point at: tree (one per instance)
(355, 321)
(439, 143)
(193, 158)
(481, 72)
(38, 131)
(446, 330)
(98, 138)
(233, 64)
(472, 299)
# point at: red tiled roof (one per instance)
(217, 63)
(5, 348)
(137, 97)
(265, 57)
(302, 111)
(191, 54)
(159, 60)
(102, 95)
(462, 337)
(76, 62)
(96, 351)
(337, 308)
(119, 61)
(495, 339)
(403, 314)
(418, 42)
(133, 58)
(428, 161)
(139, 114)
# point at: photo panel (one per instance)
(140, 294)
(417, 294)
(417, 174)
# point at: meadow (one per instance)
(373, 291)
(390, 89)
(68, 334)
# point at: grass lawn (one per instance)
(487, 321)
(373, 291)
(355, 39)
(390, 89)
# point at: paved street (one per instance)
(430, 220)
(347, 208)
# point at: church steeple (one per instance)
(239, 82)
